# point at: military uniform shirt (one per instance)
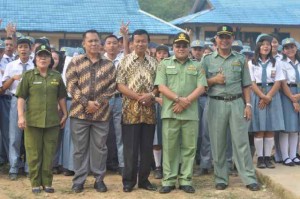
(41, 95)
(182, 79)
(235, 69)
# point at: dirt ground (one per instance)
(204, 186)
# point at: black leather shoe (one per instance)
(187, 188)
(148, 186)
(269, 163)
(253, 187)
(166, 189)
(100, 186)
(49, 189)
(127, 189)
(36, 190)
(221, 186)
(261, 163)
(77, 188)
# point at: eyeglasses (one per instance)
(181, 46)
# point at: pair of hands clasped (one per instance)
(181, 104)
(295, 98)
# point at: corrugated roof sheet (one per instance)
(80, 15)
(254, 12)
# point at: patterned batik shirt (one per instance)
(87, 81)
(138, 76)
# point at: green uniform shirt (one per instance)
(41, 95)
(182, 79)
(235, 69)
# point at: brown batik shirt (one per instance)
(87, 81)
(139, 77)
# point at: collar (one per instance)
(174, 58)
(86, 57)
(37, 72)
(6, 56)
(135, 56)
(29, 61)
(289, 61)
(216, 53)
(259, 59)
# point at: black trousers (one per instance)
(137, 139)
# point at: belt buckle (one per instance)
(227, 99)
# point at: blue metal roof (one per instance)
(77, 16)
(254, 12)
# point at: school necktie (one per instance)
(24, 67)
(264, 74)
(296, 73)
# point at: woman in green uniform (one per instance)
(41, 89)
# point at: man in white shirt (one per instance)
(11, 78)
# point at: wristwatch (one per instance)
(176, 98)
(248, 104)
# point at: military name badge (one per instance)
(192, 68)
(54, 82)
(236, 63)
(170, 66)
(37, 82)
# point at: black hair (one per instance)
(257, 54)
(60, 65)
(8, 38)
(275, 35)
(110, 36)
(89, 31)
(140, 32)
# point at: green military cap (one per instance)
(182, 37)
(43, 48)
(225, 30)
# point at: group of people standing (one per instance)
(172, 103)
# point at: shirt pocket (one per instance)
(171, 71)
(212, 72)
(236, 73)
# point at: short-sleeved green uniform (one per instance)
(229, 113)
(42, 119)
(179, 131)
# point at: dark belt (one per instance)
(268, 84)
(203, 95)
(227, 98)
(292, 85)
(118, 95)
(5, 96)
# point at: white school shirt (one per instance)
(289, 71)
(273, 73)
(0, 80)
(4, 61)
(15, 68)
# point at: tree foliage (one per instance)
(167, 9)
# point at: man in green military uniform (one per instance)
(181, 82)
(229, 105)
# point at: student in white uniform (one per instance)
(290, 102)
(266, 75)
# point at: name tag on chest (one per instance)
(37, 82)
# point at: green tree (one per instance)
(167, 9)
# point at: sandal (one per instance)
(296, 162)
(286, 163)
